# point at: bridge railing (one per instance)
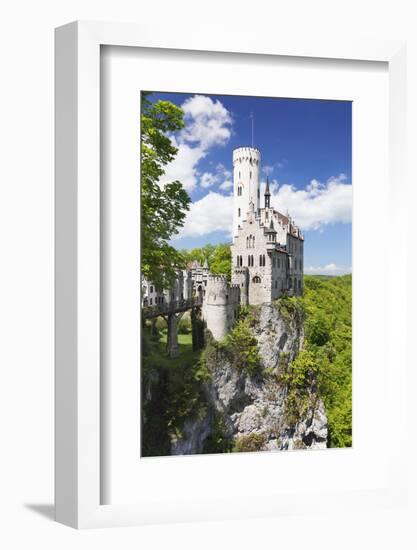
(171, 307)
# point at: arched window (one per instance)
(256, 280)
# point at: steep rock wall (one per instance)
(252, 408)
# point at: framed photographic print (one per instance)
(218, 302)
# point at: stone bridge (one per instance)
(172, 313)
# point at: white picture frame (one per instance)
(78, 404)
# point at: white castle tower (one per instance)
(246, 172)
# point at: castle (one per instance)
(267, 255)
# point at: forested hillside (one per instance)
(328, 326)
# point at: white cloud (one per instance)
(221, 178)
(207, 124)
(184, 166)
(312, 208)
(208, 179)
(227, 184)
(329, 269)
(317, 205)
(211, 213)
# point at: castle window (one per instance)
(253, 242)
(238, 212)
(250, 175)
(150, 301)
(151, 289)
(259, 193)
(256, 280)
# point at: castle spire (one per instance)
(267, 194)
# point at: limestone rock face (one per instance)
(252, 408)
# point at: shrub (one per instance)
(160, 324)
(249, 443)
(242, 348)
(184, 326)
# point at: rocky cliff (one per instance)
(248, 409)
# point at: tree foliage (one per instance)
(219, 258)
(163, 207)
(328, 305)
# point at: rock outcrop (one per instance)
(252, 407)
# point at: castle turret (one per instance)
(221, 305)
(246, 171)
(267, 194)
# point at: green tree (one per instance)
(221, 260)
(163, 207)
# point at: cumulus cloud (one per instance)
(213, 212)
(207, 124)
(221, 177)
(226, 185)
(316, 206)
(312, 208)
(184, 166)
(329, 269)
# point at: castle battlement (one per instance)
(242, 154)
(217, 278)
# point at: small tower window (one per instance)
(250, 175)
(238, 212)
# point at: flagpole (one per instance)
(253, 122)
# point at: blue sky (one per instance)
(306, 151)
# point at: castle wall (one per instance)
(295, 247)
(221, 306)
